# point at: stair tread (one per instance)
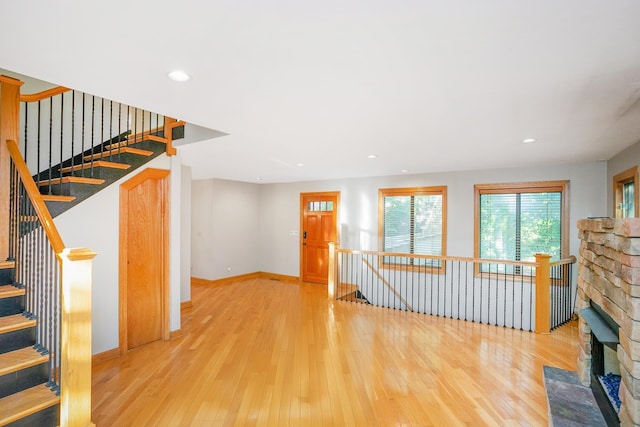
(15, 322)
(56, 198)
(139, 138)
(122, 150)
(71, 179)
(7, 264)
(16, 360)
(98, 163)
(8, 291)
(26, 402)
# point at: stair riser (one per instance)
(11, 305)
(23, 379)
(7, 276)
(47, 417)
(17, 339)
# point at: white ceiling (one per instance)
(428, 86)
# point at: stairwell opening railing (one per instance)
(562, 295)
(497, 292)
(68, 132)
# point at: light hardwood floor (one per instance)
(265, 352)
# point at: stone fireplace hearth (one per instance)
(609, 298)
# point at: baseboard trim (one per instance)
(175, 334)
(199, 281)
(280, 277)
(249, 276)
(186, 304)
(99, 358)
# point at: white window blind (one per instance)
(516, 226)
(413, 224)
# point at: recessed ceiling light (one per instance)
(372, 156)
(404, 170)
(299, 164)
(528, 140)
(258, 179)
(178, 76)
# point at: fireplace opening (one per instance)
(605, 367)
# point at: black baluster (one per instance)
(26, 131)
(84, 121)
(39, 142)
(93, 118)
(73, 129)
(50, 144)
(61, 136)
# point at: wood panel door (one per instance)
(144, 293)
(319, 213)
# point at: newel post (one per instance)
(331, 282)
(169, 124)
(543, 297)
(9, 129)
(75, 363)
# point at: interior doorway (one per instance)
(144, 259)
(319, 223)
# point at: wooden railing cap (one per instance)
(10, 80)
(78, 254)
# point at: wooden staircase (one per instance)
(51, 307)
(25, 398)
(73, 182)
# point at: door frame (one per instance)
(335, 194)
(163, 176)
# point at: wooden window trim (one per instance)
(619, 180)
(412, 191)
(523, 187)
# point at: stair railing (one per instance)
(57, 283)
(529, 295)
(64, 131)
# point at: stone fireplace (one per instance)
(608, 303)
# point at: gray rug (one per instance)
(570, 403)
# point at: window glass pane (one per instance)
(540, 228)
(316, 206)
(310, 207)
(330, 206)
(628, 200)
(517, 226)
(428, 225)
(397, 224)
(323, 206)
(498, 226)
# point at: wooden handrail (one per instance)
(440, 257)
(36, 198)
(564, 261)
(44, 94)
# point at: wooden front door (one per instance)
(144, 293)
(319, 212)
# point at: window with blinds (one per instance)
(624, 193)
(516, 221)
(413, 222)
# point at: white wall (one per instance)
(277, 212)
(94, 223)
(224, 223)
(624, 160)
(185, 234)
